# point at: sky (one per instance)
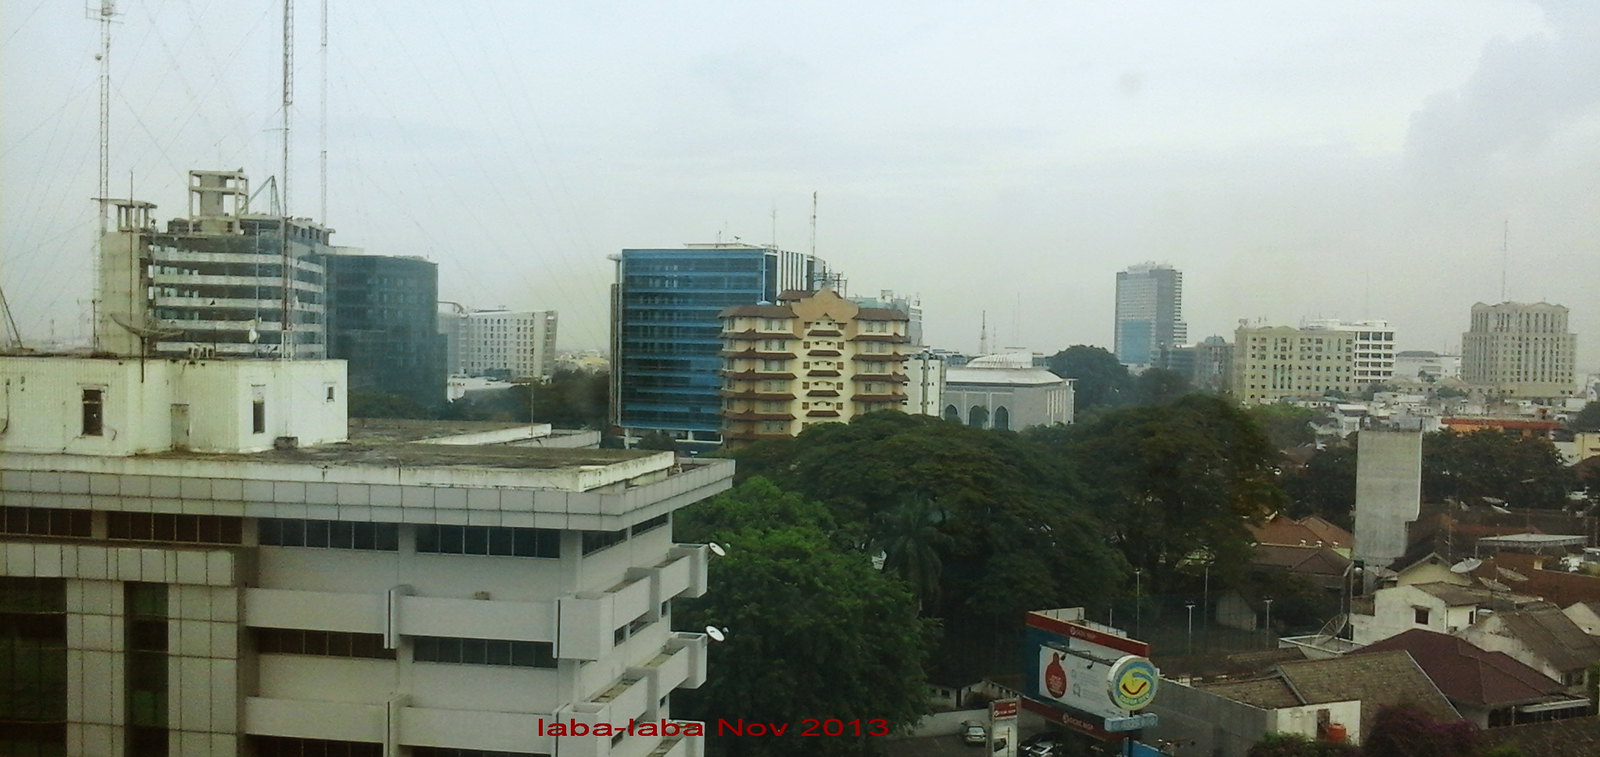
(1296, 160)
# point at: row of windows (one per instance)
(205, 529)
(521, 654)
(279, 532)
(325, 643)
(279, 746)
(44, 521)
(594, 541)
(488, 540)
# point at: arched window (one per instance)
(1002, 419)
(978, 417)
(952, 414)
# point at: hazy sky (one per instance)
(1294, 159)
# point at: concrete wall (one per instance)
(1388, 493)
(1206, 724)
(41, 404)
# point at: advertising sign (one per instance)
(1132, 682)
(1003, 709)
(1084, 676)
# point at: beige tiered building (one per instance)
(1280, 362)
(811, 358)
(1520, 350)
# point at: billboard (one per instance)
(1082, 676)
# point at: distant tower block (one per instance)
(209, 192)
(1388, 493)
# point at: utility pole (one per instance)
(108, 11)
(286, 319)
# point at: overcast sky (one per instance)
(1294, 159)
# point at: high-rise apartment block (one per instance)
(1272, 363)
(500, 344)
(810, 358)
(666, 334)
(1520, 350)
(217, 282)
(1149, 314)
(1374, 347)
(383, 322)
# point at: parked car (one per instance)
(973, 734)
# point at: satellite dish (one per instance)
(1466, 566)
(718, 549)
(716, 634)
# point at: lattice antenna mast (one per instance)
(105, 15)
(286, 318)
(322, 54)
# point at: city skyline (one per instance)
(1322, 169)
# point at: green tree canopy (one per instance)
(812, 631)
(1524, 471)
(1326, 486)
(1587, 419)
(1178, 481)
(1102, 381)
(1158, 386)
(1285, 425)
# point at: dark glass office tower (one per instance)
(383, 321)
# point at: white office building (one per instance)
(502, 344)
(1373, 356)
(197, 558)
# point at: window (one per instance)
(328, 392)
(280, 746)
(487, 540)
(594, 541)
(1420, 615)
(323, 643)
(520, 654)
(33, 669)
(201, 529)
(94, 412)
(258, 409)
(281, 532)
(652, 524)
(431, 751)
(146, 681)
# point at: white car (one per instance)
(974, 734)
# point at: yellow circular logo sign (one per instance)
(1133, 681)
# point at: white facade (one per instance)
(1426, 366)
(1520, 350)
(1006, 392)
(500, 343)
(1438, 607)
(1374, 356)
(386, 593)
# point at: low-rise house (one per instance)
(1489, 688)
(1308, 531)
(1586, 615)
(1542, 638)
(1556, 738)
(1441, 607)
(1335, 698)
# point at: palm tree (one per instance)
(909, 538)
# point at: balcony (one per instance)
(823, 372)
(885, 357)
(822, 413)
(755, 354)
(752, 415)
(866, 337)
(751, 394)
(754, 375)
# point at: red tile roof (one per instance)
(1468, 674)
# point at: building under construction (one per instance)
(217, 282)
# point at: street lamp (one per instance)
(1138, 609)
(1189, 605)
(1268, 600)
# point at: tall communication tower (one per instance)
(286, 319)
(322, 118)
(105, 15)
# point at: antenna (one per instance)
(322, 55)
(717, 634)
(983, 335)
(286, 318)
(1505, 255)
(774, 224)
(107, 12)
(718, 549)
(813, 224)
